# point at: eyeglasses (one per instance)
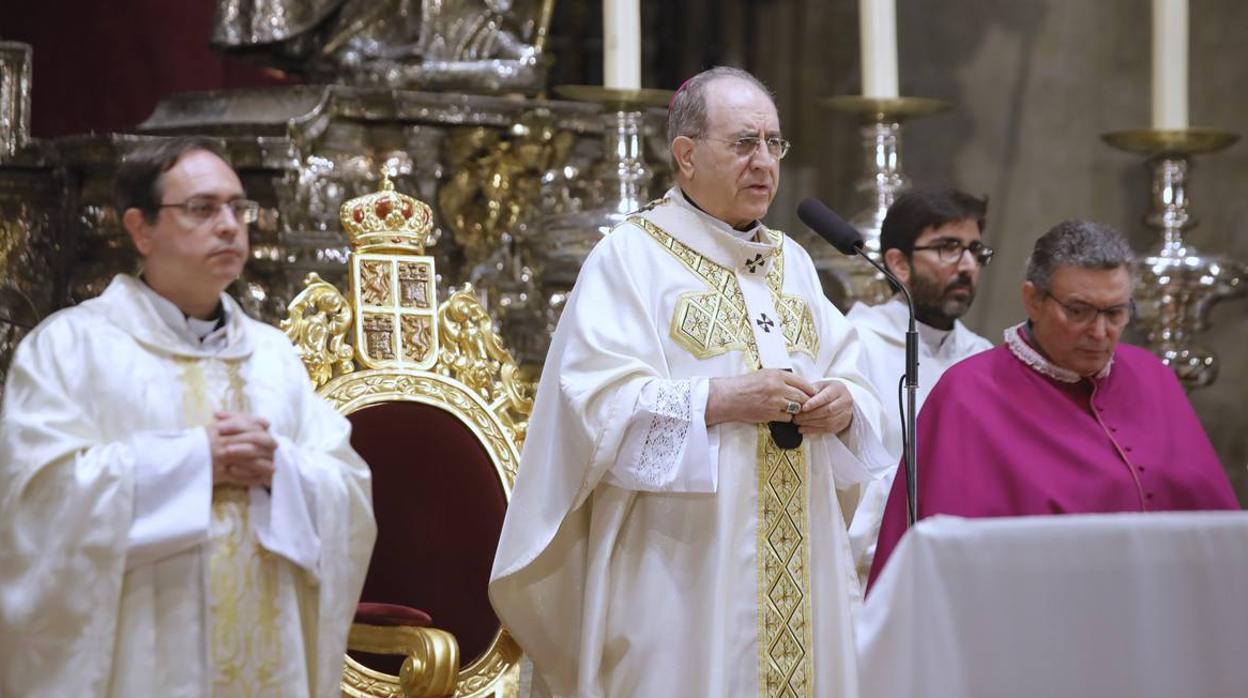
(1079, 313)
(746, 146)
(198, 211)
(950, 251)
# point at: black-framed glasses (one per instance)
(745, 146)
(199, 210)
(1080, 314)
(950, 250)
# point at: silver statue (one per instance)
(490, 45)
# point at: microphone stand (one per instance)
(912, 386)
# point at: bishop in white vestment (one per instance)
(646, 553)
(130, 565)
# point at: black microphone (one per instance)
(830, 226)
(845, 238)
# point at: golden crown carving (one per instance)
(387, 221)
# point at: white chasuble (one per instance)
(123, 571)
(740, 588)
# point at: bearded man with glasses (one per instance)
(675, 527)
(1062, 419)
(932, 240)
(180, 514)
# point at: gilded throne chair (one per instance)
(439, 412)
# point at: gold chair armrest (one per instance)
(432, 656)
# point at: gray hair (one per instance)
(686, 116)
(1082, 244)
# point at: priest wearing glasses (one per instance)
(932, 240)
(180, 514)
(1061, 419)
(668, 535)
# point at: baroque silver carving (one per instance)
(476, 45)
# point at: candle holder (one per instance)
(844, 280)
(618, 185)
(1178, 284)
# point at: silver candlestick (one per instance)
(617, 185)
(844, 280)
(1178, 284)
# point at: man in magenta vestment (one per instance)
(1061, 419)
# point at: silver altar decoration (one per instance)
(15, 62)
(30, 283)
(597, 201)
(845, 280)
(491, 168)
(475, 45)
(1178, 284)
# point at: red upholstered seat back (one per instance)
(439, 507)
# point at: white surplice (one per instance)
(123, 571)
(882, 329)
(634, 544)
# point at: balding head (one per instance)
(687, 114)
(726, 145)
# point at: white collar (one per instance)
(892, 318)
(933, 337)
(750, 234)
(210, 334)
(1017, 342)
(712, 238)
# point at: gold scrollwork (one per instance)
(430, 665)
(472, 353)
(317, 323)
(497, 180)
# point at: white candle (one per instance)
(621, 44)
(1169, 64)
(878, 24)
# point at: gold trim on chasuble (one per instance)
(709, 324)
(243, 614)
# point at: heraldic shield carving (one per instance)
(392, 280)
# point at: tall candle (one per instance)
(621, 45)
(878, 25)
(1170, 64)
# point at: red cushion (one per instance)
(439, 507)
(391, 615)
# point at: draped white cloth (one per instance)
(1079, 606)
(653, 589)
(123, 571)
(882, 329)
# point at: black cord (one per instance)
(901, 410)
(15, 323)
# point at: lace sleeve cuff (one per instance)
(667, 446)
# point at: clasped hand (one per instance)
(242, 450)
(768, 396)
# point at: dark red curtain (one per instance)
(103, 66)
